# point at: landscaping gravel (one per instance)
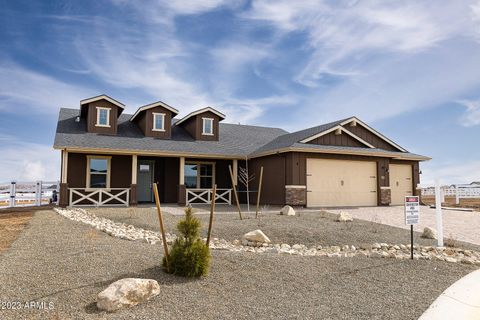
(68, 263)
(308, 228)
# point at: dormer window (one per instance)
(158, 122)
(207, 126)
(103, 117)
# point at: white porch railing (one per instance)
(99, 197)
(223, 196)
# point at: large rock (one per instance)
(256, 236)
(287, 211)
(429, 233)
(126, 293)
(344, 217)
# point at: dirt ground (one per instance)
(450, 202)
(11, 225)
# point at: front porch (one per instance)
(126, 180)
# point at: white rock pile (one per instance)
(344, 217)
(256, 241)
(119, 230)
(287, 211)
(429, 233)
(127, 293)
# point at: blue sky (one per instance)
(411, 69)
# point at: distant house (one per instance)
(111, 158)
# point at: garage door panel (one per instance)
(341, 183)
(401, 183)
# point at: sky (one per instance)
(410, 69)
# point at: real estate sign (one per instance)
(412, 210)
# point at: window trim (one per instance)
(98, 124)
(203, 126)
(87, 184)
(154, 116)
(198, 163)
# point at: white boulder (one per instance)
(287, 211)
(256, 236)
(344, 217)
(126, 293)
(429, 233)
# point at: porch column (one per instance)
(182, 197)
(63, 192)
(133, 185)
(235, 171)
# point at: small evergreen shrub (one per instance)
(189, 256)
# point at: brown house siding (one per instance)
(370, 137)
(290, 169)
(333, 139)
(92, 117)
(145, 122)
(274, 178)
(120, 176)
(194, 126)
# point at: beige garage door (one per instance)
(400, 182)
(335, 183)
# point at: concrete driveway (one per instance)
(457, 225)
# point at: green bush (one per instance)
(189, 256)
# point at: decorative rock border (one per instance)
(376, 250)
(119, 230)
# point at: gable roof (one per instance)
(153, 105)
(100, 97)
(375, 132)
(194, 113)
(289, 139)
(341, 129)
(235, 141)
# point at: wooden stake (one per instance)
(212, 209)
(259, 190)
(160, 219)
(235, 191)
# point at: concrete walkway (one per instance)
(460, 301)
(457, 225)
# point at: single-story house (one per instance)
(111, 158)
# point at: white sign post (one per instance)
(438, 213)
(412, 216)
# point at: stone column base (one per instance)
(385, 196)
(63, 194)
(182, 195)
(133, 194)
(296, 195)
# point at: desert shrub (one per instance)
(189, 256)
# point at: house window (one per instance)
(207, 126)
(199, 175)
(158, 122)
(103, 117)
(98, 172)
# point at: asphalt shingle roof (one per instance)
(234, 140)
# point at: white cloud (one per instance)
(341, 34)
(450, 173)
(23, 161)
(21, 88)
(471, 117)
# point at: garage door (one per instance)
(400, 182)
(335, 183)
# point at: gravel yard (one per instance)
(67, 263)
(308, 228)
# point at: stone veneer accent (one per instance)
(63, 194)
(385, 196)
(296, 195)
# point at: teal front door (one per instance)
(145, 176)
